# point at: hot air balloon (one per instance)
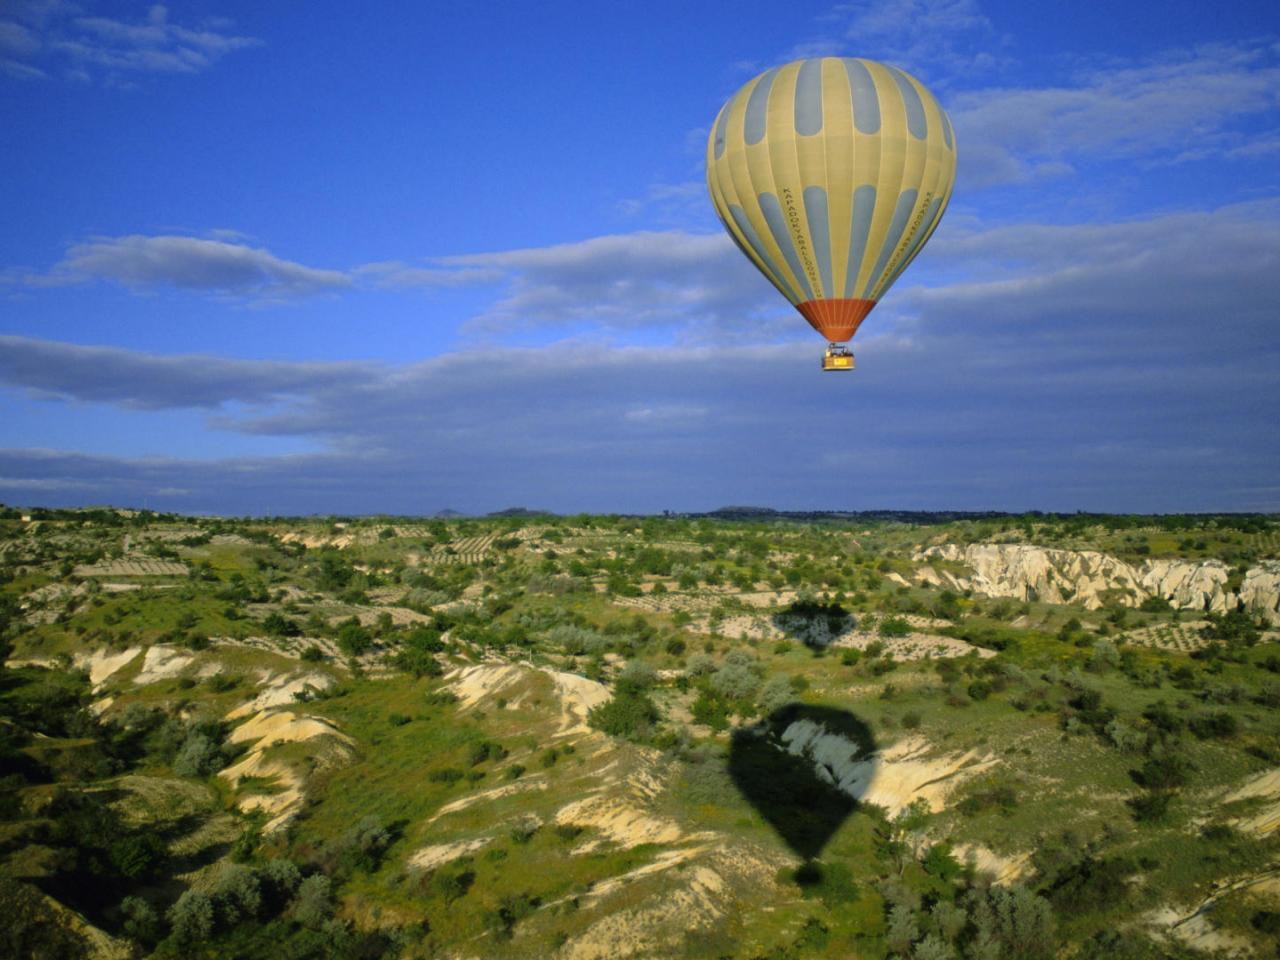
(830, 174)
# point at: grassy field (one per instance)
(436, 783)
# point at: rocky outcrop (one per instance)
(1260, 592)
(1092, 579)
(1191, 585)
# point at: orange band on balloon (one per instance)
(837, 320)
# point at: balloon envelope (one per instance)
(830, 174)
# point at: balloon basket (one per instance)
(837, 358)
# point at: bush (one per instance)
(1164, 772)
(523, 832)
(1092, 885)
(1233, 628)
(313, 904)
(191, 918)
(775, 694)
(629, 713)
(979, 690)
(1162, 717)
(637, 676)
(282, 877)
(1000, 796)
(1021, 922)
(735, 681)
(452, 884)
(485, 750)
(1216, 724)
(1151, 807)
(238, 893)
(222, 682)
(139, 920)
(199, 757)
(136, 855)
(511, 910)
(894, 627)
(710, 710)
(699, 665)
(354, 639)
(280, 626)
(1125, 737)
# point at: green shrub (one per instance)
(453, 883)
(354, 639)
(979, 690)
(629, 713)
(1165, 771)
(710, 710)
(894, 627)
(1217, 724)
(1151, 807)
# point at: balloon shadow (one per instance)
(804, 768)
(816, 625)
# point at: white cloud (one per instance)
(142, 381)
(672, 203)
(933, 39)
(1126, 366)
(193, 263)
(37, 36)
(699, 283)
(393, 274)
(1184, 105)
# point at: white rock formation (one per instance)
(893, 779)
(1197, 586)
(1260, 592)
(1092, 579)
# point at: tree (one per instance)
(282, 877)
(949, 919)
(139, 920)
(933, 947)
(354, 639)
(191, 917)
(416, 653)
(775, 694)
(699, 665)
(280, 626)
(735, 682)
(628, 713)
(313, 905)
(1017, 920)
(903, 928)
(238, 893)
(198, 757)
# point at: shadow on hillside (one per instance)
(795, 791)
(816, 625)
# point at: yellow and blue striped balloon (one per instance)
(830, 174)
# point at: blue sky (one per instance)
(290, 259)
